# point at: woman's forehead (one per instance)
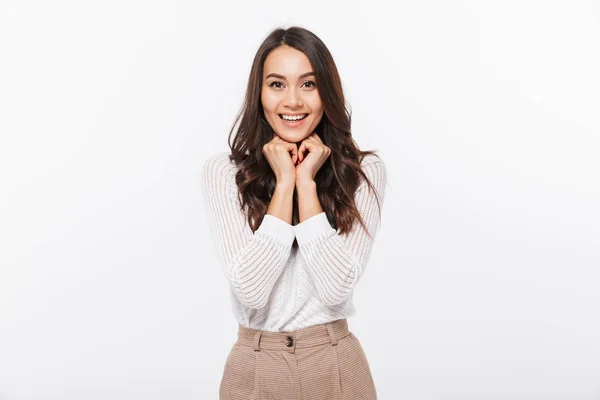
(286, 61)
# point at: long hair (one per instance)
(338, 178)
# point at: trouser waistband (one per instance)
(311, 336)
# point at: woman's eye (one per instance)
(278, 84)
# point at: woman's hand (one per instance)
(309, 165)
(277, 151)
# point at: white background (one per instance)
(484, 282)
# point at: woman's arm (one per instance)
(336, 262)
(252, 262)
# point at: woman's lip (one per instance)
(293, 115)
(293, 124)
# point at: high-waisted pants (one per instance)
(320, 362)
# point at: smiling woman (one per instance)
(289, 96)
(294, 209)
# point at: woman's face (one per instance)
(289, 91)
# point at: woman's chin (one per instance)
(292, 136)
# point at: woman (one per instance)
(294, 210)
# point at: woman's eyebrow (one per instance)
(274, 75)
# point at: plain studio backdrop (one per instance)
(484, 281)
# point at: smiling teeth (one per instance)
(293, 118)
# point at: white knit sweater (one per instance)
(277, 283)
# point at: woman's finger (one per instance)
(294, 151)
(316, 137)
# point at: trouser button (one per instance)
(289, 341)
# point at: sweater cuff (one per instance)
(277, 228)
(312, 227)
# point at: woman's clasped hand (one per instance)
(292, 163)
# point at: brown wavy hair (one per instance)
(338, 178)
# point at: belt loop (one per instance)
(331, 334)
(257, 336)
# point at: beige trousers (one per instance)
(321, 362)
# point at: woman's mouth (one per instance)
(292, 121)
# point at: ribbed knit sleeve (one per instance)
(251, 261)
(336, 262)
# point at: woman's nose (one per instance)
(293, 98)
